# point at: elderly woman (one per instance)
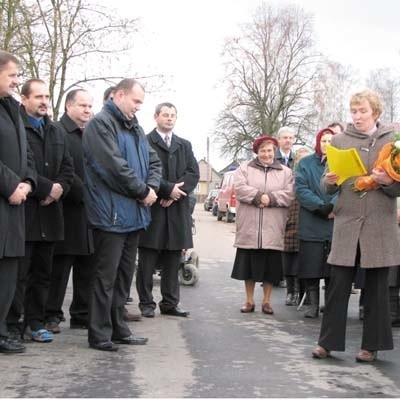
(264, 191)
(315, 221)
(364, 233)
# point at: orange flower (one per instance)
(388, 160)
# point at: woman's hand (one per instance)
(380, 176)
(331, 178)
(265, 200)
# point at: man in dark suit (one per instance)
(75, 250)
(43, 209)
(284, 153)
(170, 229)
(17, 179)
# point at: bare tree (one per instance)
(386, 82)
(67, 42)
(329, 102)
(270, 67)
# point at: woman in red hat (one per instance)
(264, 192)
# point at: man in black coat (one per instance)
(75, 250)
(284, 153)
(43, 210)
(170, 230)
(17, 179)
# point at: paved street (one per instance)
(217, 352)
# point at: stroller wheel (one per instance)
(188, 274)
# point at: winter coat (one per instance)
(292, 227)
(16, 165)
(281, 159)
(367, 218)
(119, 169)
(78, 237)
(311, 196)
(262, 228)
(53, 164)
(171, 227)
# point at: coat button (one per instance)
(46, 164)
(43, 235)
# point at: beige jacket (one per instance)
(367, 218)
(262, 228)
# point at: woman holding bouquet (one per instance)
(364, 233)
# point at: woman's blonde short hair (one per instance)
(300, 153)
(373, 99)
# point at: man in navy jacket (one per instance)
(122, 174)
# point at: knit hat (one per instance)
(257, 142)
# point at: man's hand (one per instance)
(177, 193)
(26, 187)
(166, 203)
(19, 194)
(48, 200)
(56, 191)
(150, 199)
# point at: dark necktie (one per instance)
(167, 140)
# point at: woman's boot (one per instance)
(290, 291)
(312, 310)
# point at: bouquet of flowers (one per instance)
(388, 160)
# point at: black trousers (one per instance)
(377, 330)
(8, 283)
(113, 269)
(149, 260)
(34, 275)
(81, 266)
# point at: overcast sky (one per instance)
(182, 39)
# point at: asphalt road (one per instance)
(217, 352)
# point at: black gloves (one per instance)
(324, 210)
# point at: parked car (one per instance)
(227, 198)
(209, 201)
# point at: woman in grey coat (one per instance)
(365, 232)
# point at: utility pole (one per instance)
(208, 165)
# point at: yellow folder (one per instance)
(344, 163)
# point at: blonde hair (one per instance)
(300, 153)
(373, 99)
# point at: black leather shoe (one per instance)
(132, 339)
(11, 346)
(148, 313)
(104, 346)
(176, 312)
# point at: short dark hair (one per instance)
(5, 58)
(165, 104)
(71, 96)
(108, 93)
(336, 123)
(26, 87)
(127, 84)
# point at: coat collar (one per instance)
(381, 131)
(157, 139)
(69, 125)
(257, 164)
